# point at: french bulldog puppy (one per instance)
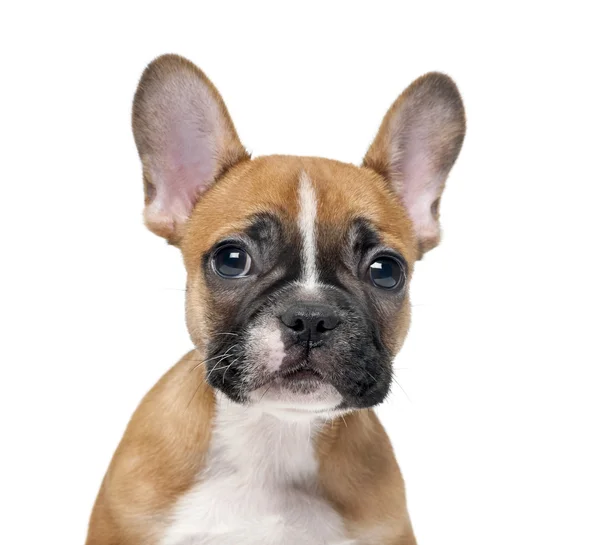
(298, 272)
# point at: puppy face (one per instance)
(298, 268)
(299, 290)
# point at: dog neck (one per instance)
(264, 446)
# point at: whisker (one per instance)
(232, 346)
(236, 359)
(210, 359)
(344, 420)
(265, 392)
(214, 357)
(400, 386)
(205, 361)
(194, 394)
(213, 369)
(395, 380)
(219, 368)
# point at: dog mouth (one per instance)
(299, 387)
(301, 374)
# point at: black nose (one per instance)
(310, 321)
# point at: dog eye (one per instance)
(386, 273)
(231, 262)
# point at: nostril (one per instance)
(310, 321)
(328, 323)
(298, 325)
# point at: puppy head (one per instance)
(298, 268)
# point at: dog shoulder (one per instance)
(361, 478)
(161, 453)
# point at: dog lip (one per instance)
(298, 373)
(300, 370)
(302, 373)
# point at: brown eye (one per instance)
(231, 262)
(386, 273)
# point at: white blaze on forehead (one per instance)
(307, 223)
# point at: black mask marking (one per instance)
(352, 357)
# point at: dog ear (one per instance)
(185, 139)
(418, 141)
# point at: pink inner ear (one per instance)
(178, 186)
(420, 187)
(186, 163)
(416, 146)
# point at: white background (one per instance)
(499, 442)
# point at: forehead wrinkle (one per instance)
(385, 237)
(263, 227)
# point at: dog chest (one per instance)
(259, 486)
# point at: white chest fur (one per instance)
(259, 487)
